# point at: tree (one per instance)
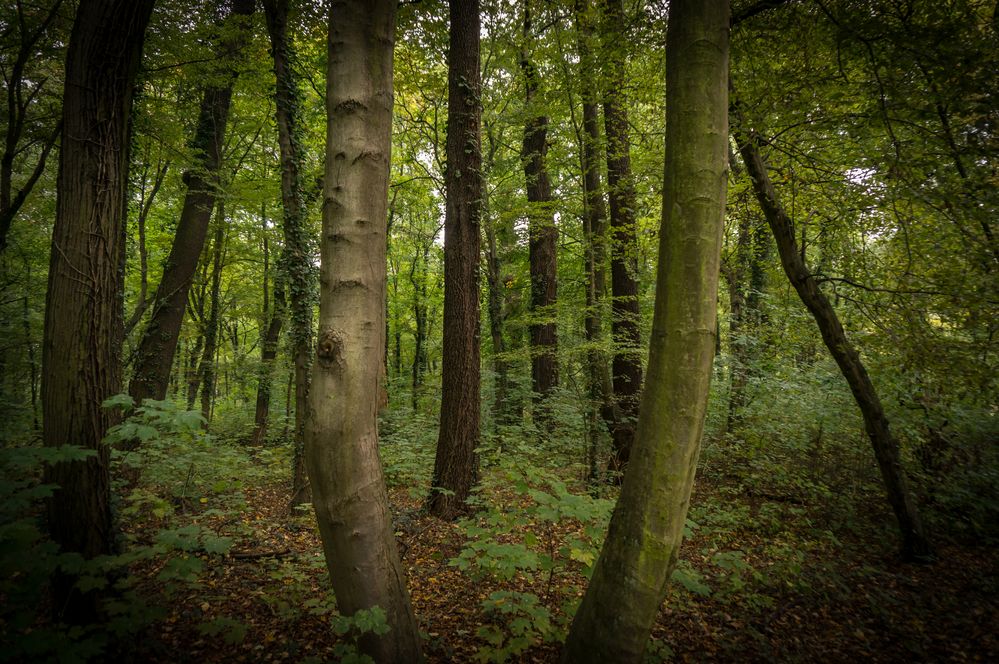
(601, 390)
(543, 238)
(151, 375)
(81, 352)
(455, 463)
(915, 545)
(23, 90)
(341, 441)
(296, 265)
(627, 362)
(642, 545)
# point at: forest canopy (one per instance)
(499, 330)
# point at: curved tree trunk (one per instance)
(629, 581)
(81, 351)
(341, 439)
(915, 545)
(455, 464)
(159, 341)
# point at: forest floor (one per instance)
(792, 597)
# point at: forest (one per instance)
(499, 331)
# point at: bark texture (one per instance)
(915, 545)
(159, 341)
(81, 351)
(455, 464)
(341, 440)
(542, 239)
(296, 264)
(599, 381)
(627, 362)
(629, 581)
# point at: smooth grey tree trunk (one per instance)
(341, 441)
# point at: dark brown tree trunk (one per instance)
(627, 362)
(542, 240)
(269, 343)
(915, 545)
(297, 266)
(455, 464)
(350, 499)
(159, 341)
(81, 350)
(207, 368)
(600, 387)
(417, 277)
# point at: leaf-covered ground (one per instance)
(765, 582)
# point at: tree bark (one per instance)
(81, 350)
(348, 484)
(542, 240)
(915, 545)
(296, 263)
(207, 368)
(159, 341)
(629, 581)
(269, 342)
(455, 464)
(625, 315)
(600, 386)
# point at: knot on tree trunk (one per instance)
(329, 350)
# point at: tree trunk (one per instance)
(629, 581)
(159, 341)
(627, 362)
(207, 368)
(600, 386)
(297, 266)
(915, 545)
(455, 464)
(81, 350)
(418, 280)
(348, 484)
(269, 342)
(542, 240)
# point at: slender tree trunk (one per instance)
(501, 406)
(735, 275)
(627, 362)
(268, 355)
(455, 465)
(159, 341)
(81, 349)
(19, 102)
(915, 545)
(417, 277)
(600, 386)
(207, 369)
(629, 581)
(297, 247)
(348, 484)
(269, 342)
(542, 240)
